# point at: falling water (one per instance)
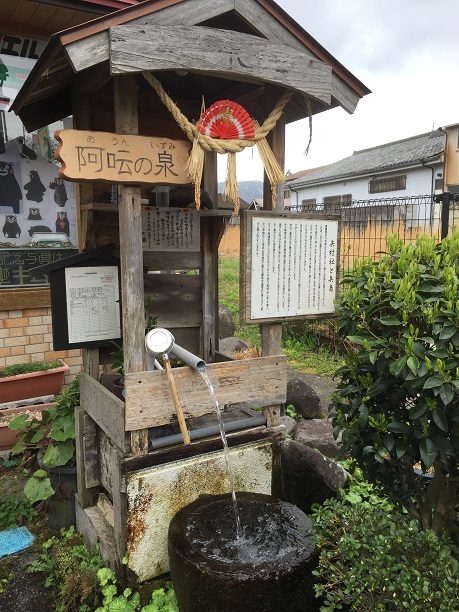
(229, 470)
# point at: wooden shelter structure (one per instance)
(249, 51)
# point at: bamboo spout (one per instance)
(175, 397)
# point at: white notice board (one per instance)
(289, 265)
(93, 309)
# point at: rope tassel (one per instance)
(230, 188)
(194, 167)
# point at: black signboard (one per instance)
(16, 266)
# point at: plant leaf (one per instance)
(389, 321)
(446, 393)
(440, 419)
(432, 382)
(413, 364)
(428, 452)
(397, 366)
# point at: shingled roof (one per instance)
(393, 155)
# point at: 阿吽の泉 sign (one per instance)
(121, 158)
(289, 265)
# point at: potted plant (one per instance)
(8, 438)
(49, 444)
(26, 380)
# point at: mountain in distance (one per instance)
(248, 190)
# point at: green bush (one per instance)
(397, 404)
(371, 557)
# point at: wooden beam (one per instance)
(33, 297)
(104, 408)
(223, 53)
(256, 382)
(131, 255)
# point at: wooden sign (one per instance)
(17, 265)
(170, 229)
(121, 158)
(289, 265)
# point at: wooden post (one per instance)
(210, 266)
(131, 255)
(271, 333)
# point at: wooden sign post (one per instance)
(126, 159)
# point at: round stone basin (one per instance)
(268, 569)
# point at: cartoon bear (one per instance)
(11, 228)
(10, 192)
(62, 223)
(34, 214)
(60, 192)
(34, 187)
(39, 229)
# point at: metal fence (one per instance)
(365, 224)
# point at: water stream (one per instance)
(229, 470)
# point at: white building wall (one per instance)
(418, 182)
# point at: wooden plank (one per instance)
(131, 256)
(114, 158)
(217, 52)
(257, 382)
(104, 408)
(85, 493)
(172, 261)
(209, 323)
(98, 532)
(254, 13)
(177, 299)
(106, 452)
(106, 507)
(209, 445)
(94, 49)
(17, 299)
(90, 452)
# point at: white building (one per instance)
(410, 167)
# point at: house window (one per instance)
(389, 183)
(287, 192)
(334, 203)
(308, 204)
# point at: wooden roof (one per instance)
(42, 19)
(82, 58)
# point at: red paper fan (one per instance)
(226, 119)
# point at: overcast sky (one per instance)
(405, 51)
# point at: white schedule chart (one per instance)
(93, 310)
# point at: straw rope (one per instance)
(207, 142)
(202, 142)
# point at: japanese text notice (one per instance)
(93, 311)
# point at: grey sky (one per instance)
(405, 51)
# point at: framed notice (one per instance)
(93, 310)
(289, 265)
(170, 229)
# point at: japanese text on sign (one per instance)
(293, 266)
(17, 265)
(93, 311)
(170, 230)
(118, 158)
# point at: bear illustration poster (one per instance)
(32, 198)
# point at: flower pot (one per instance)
(7, 436)
(32, 384)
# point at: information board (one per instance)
(93, 309)
(169, 229)
(17, 266)
(289, 265)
